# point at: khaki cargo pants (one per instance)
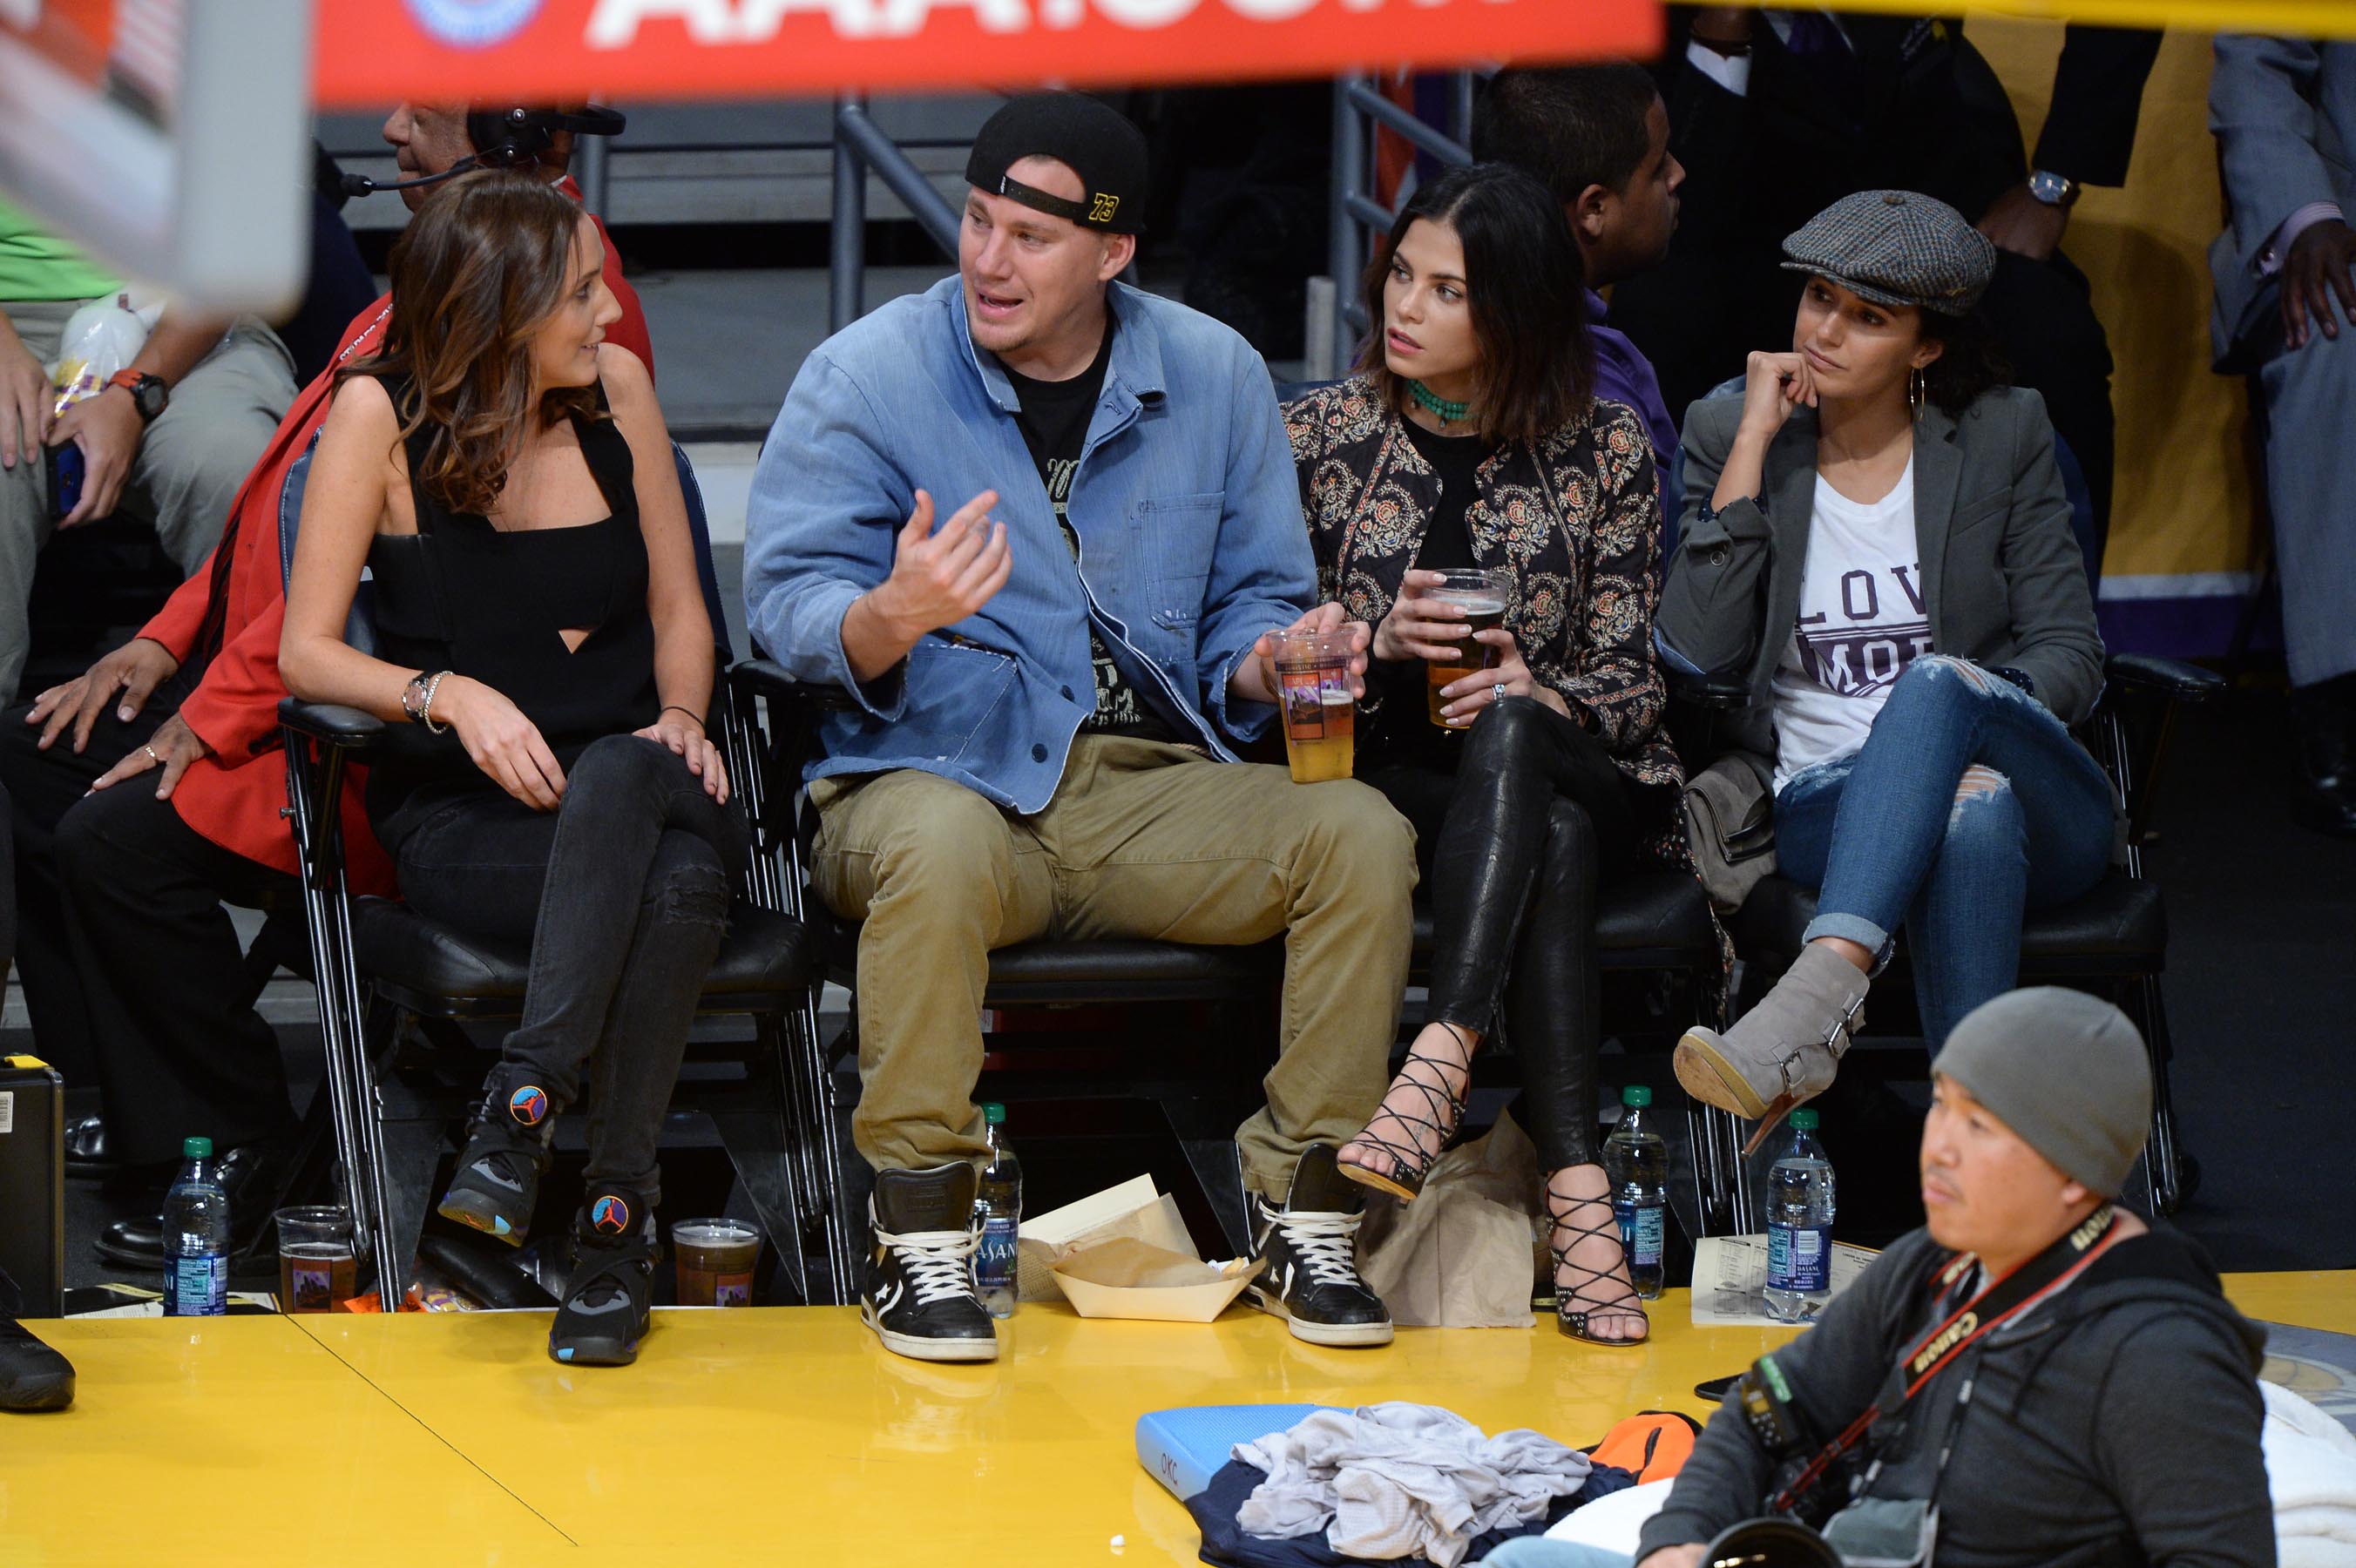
(1142, 840)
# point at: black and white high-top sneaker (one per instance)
(1307, 1253)
(497, 1184)
(609, 1299)
(920, 1298)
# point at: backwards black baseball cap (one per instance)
(1095, 139)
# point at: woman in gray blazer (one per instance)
(1876, 539)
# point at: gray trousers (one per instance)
(182, 479)
(2311, 491)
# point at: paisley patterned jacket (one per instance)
(1576, 516)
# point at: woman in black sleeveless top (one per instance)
(543, 644)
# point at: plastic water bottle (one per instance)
(196, 1237)
(1636, 1162)
(1800, 1226)
(1000, 1204)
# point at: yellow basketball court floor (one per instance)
(770, 1435)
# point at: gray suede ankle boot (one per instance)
(1783, 1051)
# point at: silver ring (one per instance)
(152, 756)
(1497, 692)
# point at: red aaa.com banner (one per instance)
(374, 51)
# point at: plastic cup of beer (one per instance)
(1321, 716)
(714, 1259)
(318, 1269)
(1479, 595)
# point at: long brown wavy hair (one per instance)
(476, 273)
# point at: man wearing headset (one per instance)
(149, 791)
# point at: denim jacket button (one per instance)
(1067, 694)
(1038, 752)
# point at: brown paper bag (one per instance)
(1460, 1256)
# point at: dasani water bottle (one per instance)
(999, 1202)
(196, 1237)
(1799, 1226)
(1636, 1162)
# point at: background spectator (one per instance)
(1777, 112)
(2284, 114)
(173, 452)
(1597, 138)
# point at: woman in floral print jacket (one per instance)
(1469, 438)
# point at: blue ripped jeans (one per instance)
(1967, 804)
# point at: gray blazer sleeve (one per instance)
(2053, 631)
(2261, 109)
(1713, 599)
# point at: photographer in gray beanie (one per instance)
(2050, 1379)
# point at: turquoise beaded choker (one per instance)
(1449, 414)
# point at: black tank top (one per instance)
(463, 595)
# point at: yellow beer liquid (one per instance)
(1330, 751)
(1470, 658)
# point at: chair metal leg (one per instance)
(835, 1233)
(760, 1142)
(756, 1143)
(1720, 1181)
(336, 975)
(411, 1153)
(2162, 1161)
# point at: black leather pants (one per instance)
(1514, 846)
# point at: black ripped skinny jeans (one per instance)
(622, 895)
(1513, 844)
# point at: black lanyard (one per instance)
(1996, 1304)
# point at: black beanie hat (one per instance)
(1098, 143)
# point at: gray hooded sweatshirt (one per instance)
(2116, 1423)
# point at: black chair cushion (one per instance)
(2118, 928)
(765, 955)
(1654, 918)
(1084, 971)
(1651, 918)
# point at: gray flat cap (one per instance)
(2066, 1072)
(1896, 247)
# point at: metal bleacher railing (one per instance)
(1337, 320)
(861, 148)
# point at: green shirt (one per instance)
(36, 265)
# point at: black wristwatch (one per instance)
(149, 394)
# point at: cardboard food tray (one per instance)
(1129, 1278)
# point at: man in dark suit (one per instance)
(1778, 113)
(2284, 111)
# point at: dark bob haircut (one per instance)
(1526, 290)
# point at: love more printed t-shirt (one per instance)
(1862, 621)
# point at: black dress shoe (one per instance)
(2323, 731)
(32, 1376)
(247, 1174)
(88, 1152)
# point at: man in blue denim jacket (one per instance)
(1050, 688)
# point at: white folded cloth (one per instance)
(1400, 1479)
(2311, 1473)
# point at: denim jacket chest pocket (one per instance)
(1181, 533)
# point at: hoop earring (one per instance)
(1914, 394)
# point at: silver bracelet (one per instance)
(425, 707)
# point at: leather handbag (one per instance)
(1730, 829)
